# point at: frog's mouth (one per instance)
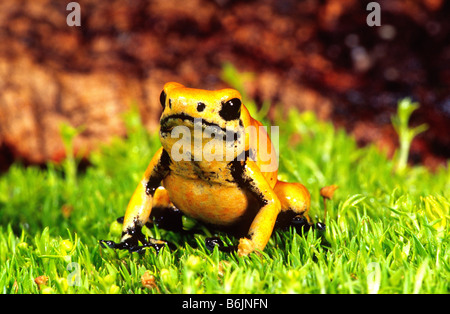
(167, 124)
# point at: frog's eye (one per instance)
(231, 109)
(162, 99)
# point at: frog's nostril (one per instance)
(200, 106)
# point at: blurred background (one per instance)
(311, 55)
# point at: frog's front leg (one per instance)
(140, 206)
(249, 177)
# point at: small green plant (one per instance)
(405, 133)
(68, 134)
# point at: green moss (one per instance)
(387, 230)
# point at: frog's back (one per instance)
(265, 156)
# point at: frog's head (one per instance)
(183, 106)
(191, 116)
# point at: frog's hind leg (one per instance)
(295, 203)
(164, 214)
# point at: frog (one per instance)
(239, 195)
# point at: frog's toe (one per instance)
(158, 244)
(246, 246)
(301, 224)
(320, 226)
(212, 242)
(134, 246)
(108, 243)
(125, 245)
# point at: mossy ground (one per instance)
(388, 229)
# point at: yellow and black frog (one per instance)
(211, 168)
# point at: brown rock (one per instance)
(302, 53)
